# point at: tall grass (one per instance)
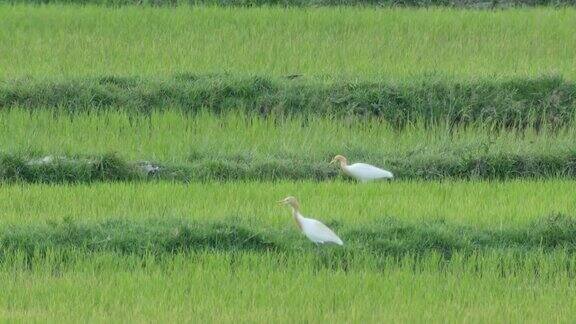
(46, 270)
(236, 146)
(232, 287)
(310, 3)
(384, 238)
(519, 103)
(175, 138)
(360, 43)
(488, 204)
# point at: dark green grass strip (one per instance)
(313, 3)
(513, 103)
(388, 237)
(14, 168)
(109, 167)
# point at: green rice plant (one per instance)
(487, 205)
(329, 43)
(172, 252)
(306, 3)
(256, 287)
(50, 147)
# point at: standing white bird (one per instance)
(361, 171)
(313, 229)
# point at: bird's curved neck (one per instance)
(295, 211)
(296, 215)
(343, 164)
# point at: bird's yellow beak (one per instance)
(333, 161)
(281, 202)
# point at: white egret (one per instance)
(313, 229)
(361, 171)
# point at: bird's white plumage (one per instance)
(317, 232)
(361, 171)
(314, 230)
(366, 172)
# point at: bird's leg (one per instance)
(318, 249)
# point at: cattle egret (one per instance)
(313, 229)
(361, 171)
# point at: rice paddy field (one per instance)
(144, 148)
(328, 43)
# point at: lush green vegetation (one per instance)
(174, 138)
(43, 146)
(244, 106)
(386, 238)
(168, 252)
(313, 3)
(486, 205)
(49, 169)
(58, 252)
(331, 43)
(256, 287)
(515, 104)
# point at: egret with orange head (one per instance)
(361, 171)
(314, 230)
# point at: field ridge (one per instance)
(386, 237)
(513, 103)
(16, 168)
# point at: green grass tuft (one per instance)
(540, 102)
(107, 167)
(111, 168)
(387, 238)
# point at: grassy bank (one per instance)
(44, 146)
(109, 168)
(351, 43)
(538, 102)
(386, 238)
